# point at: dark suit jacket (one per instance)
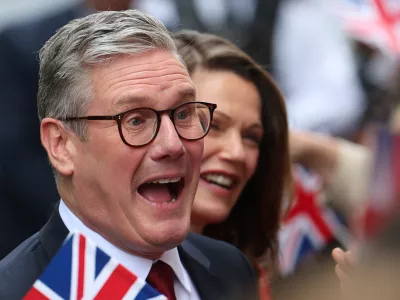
(218, 270)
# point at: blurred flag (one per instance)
(384, 200)
(308, 229)
(374, 22)
(81, 270)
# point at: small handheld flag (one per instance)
(81, 270)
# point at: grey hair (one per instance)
(65, 60)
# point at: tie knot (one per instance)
(161, 277)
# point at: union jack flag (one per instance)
(81, 270)
(375, 22)
(308, 228)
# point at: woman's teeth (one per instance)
(218, 179)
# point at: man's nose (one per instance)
(168, 143)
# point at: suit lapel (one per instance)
(53, 234)
(207, 284)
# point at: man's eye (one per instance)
(136, 121)
(182, 115)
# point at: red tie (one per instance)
(161, 277)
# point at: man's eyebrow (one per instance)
(129, 100)
(187, 93)
(142, 101)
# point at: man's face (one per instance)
(111, 181)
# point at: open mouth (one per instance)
(221, 180)
(163, 191)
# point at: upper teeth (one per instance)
(167, 180)
(219, 179)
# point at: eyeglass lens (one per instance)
(191, 121)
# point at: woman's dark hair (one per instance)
(254, 222)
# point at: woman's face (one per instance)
(231, 148)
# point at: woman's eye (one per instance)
(215, 126)
(253, 139)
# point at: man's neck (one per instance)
(72, 218)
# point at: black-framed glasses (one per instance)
(138, 127)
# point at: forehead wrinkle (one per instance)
(147, 81)
(145, 76)
(128, 98)
(171, 62)
(166, 69)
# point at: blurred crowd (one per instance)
(340, 87)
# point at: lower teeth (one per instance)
(172, 201)
(173, 197)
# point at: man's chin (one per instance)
(168, 237)
(153, 245)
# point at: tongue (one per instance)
(155, 192)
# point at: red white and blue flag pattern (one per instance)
(81, 270)
(308, 228)
(374, 22)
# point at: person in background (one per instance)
(373, 272)
(343, 167)
(123, 134)
(346, 167)
(245, 168)
(314, 65)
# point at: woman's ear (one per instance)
(57, 141)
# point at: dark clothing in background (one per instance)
(255, 38)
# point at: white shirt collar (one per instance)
(138, 265)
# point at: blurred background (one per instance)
(20, 11)
(336, 63)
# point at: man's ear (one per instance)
(58, 142)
